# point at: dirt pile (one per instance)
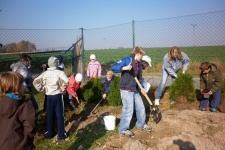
(178, 130)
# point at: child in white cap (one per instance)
(94, 68)
(53, 82)
(74, 83)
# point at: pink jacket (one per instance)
(94, 70)
(73, 86)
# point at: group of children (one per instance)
(54, 82)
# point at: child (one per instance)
(130, 67)
(145, 62)
(211, 82)
(61, 65)
(23, 67)
(54, 83)
(94, 68)
(74, 83)
(17, 117)
(107, 83)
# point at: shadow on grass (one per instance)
(91, 135)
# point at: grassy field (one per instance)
(107, 57)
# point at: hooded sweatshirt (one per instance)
(213, 80)
(17, 127)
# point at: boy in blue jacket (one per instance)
(130, 67)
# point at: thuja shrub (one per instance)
(113, 97)
(182, 87)
(92, 90)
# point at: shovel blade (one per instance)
(157, 115)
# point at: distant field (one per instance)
(110, 56)
(196, 54)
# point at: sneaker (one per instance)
(202, 109)
(213, 109)
(127, 133)
(157, 102)
(147, 128)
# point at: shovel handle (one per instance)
(146, 96)
(96, 106)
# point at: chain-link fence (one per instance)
(200, 36)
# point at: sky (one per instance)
(89, 14)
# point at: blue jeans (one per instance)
(162, 83)
(131, 100)
(215, 100)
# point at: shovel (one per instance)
(96, 106)
(157, 116)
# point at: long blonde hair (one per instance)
(11, 82)
(174, 52)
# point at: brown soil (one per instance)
(183, 127)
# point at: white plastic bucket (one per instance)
(110, 122)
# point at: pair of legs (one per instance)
(55, 107)
(131, 100)
(161, 85)
(33, 100)
(214, 102)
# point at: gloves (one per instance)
(104, 96)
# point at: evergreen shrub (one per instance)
(183, 86)
(92, 90)
(113, 97)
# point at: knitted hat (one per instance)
(78, 77)
(53, 62)
(92, 56)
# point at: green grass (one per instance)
(110, 56)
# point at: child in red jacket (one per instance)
(74, 83)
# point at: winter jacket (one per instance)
(94, 70)
(52, 81)
(73, 86)
(127, 81)
(172, 66)
(17, 127)
(211, 81)
(107, 84)
(22, 68)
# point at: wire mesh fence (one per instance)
(200, 36)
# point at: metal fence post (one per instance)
(133, 32)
